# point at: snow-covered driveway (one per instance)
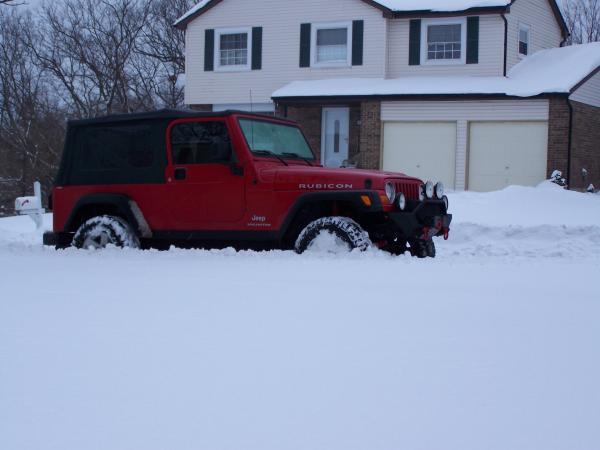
(495, 344)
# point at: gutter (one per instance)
(570, 140)
(503, 15)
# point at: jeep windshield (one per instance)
(276, 139)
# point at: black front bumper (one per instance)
(422, 220)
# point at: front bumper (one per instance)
(421, 220)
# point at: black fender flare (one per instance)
(350, 197)
(126, 207)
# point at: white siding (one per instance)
(281, 47)
(465, 110)
(544, 31)
(589, 92)
(491, 51)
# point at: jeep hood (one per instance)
(321, 178)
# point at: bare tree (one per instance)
(88, 46)
(583, 20)
(31, 125)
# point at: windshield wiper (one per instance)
(297, 156)
(270, 153)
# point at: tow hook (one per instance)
(446, 231)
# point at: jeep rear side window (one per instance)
(200, 143)
(117, 148)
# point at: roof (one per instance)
(398, 8)
(557, 70)
(160, 115)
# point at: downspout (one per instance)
(569, 142)
(503, 15)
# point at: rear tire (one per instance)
(343, 228)
(100, 231)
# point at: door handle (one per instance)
(180, 174)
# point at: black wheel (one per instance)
(347, 234)
(423, 249)
(100, 231)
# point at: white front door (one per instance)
(334, 136)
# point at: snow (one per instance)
(192, 11)
(494, 344)
(439, 5)
(555, 70)
(400, 5)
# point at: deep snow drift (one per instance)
(492, 345)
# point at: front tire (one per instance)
(345, 230)
(100, 231)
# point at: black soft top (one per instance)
(159, 115)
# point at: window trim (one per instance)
(523, 26)
(217, 56)
(426, 23)
(313, 44)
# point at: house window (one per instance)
(330, 44)
(523, 40)
(233, 49)
(443, 41)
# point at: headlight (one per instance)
(401, 201)
(390, 192)
(439, 190)
(422, 192)
(445, 200)
(429, 189)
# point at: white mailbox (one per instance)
(32, 206)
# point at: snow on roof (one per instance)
(399, 5)
(555, 70)
(192, 11)
(440, 5)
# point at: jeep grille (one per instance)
(410, 189)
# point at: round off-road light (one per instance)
(421, 192)
(390, 192)
(429, 188)
(401, 201)
(446, 202)
(439, 190)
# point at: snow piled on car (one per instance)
(494, 344)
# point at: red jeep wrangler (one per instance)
(228, 179)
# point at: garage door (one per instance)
(422, 149)
(505, 153)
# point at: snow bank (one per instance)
(492, 345)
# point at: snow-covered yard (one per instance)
(492, 345)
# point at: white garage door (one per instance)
(421, 149)
(506, 153)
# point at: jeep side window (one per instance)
(200, 143)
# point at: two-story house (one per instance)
(476, 93)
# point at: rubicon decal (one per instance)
(326, 186)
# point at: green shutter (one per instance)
(414, 43)
(305, 45)
(472, 40)
(257, 48)
(209, 50)
(358, 27)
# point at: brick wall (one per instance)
(370, 135)
(585, 146)
(203, 108)
(558, 135)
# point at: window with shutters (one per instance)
(443, 41)
(523, 40)
(233, 49)
(331, 44)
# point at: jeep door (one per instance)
(206, 190)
